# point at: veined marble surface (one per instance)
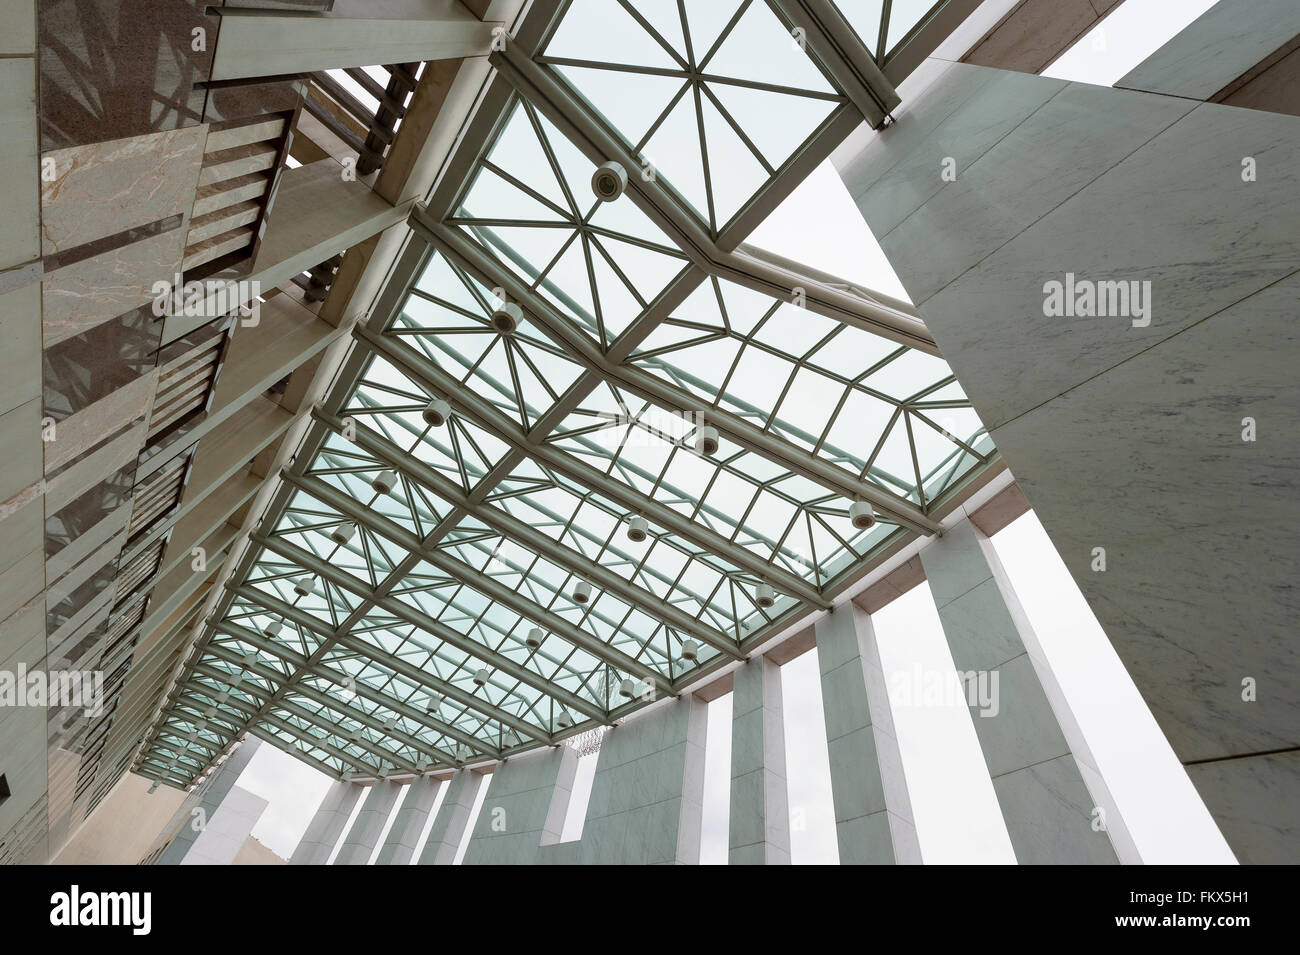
(1199, 526)
(103, 189)
(1130, 438)
(80, 296)
(1216, 48)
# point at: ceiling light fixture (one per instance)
(637, 529)
(436, 413)
(506, 318)
(609, 181)
(706, 440)
(861, 515)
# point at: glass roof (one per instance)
(438, 584)
(712, 96)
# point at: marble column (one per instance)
(214, 793)
(364, 835)
(690, 821)
(327, 825)
(760, 808)
(1045, 802)
(452, 821)
(1150, 440)
(227, 830)
(404, 837)
(561, 796)
(635, 811)
(873, 811)
(525, 808)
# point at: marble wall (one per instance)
(111, 69)
(513, 821)
(1126, 433)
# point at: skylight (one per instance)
(588, 457)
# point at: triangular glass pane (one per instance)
(519, 152)
(568, 284)
(630, 102)
(603, 30)
(903, 15)
(492, 197)
(527, 250)
(759, 48)
(648, 270)
(674, 150)
(734, 172)
(864, 17)
(777, 123)
(665, 17)
(706, 20)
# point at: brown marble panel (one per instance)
(1000, 510)
(103, 189)
(110, 69)
(89, 470)
(1034, 34)
(91, 425)
(81, 515)
(80, 296)
(99, 587)
(86, 368)
(241, 100)
(1273, 85)
(888, 589)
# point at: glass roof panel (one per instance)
(823, 386)
(427, 592)
(599, 266)
(712, 97)
(903, 16)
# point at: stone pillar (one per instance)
(873, 812)
(690, 822)
(327, 825)
(1045, 803)
(521, 807)
(561, 796)
(760, 808)
(227, 830)
(214, 793)
(452, 820)
(404, 837)
(636, 795)
(364, 834)
(1111, 438)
